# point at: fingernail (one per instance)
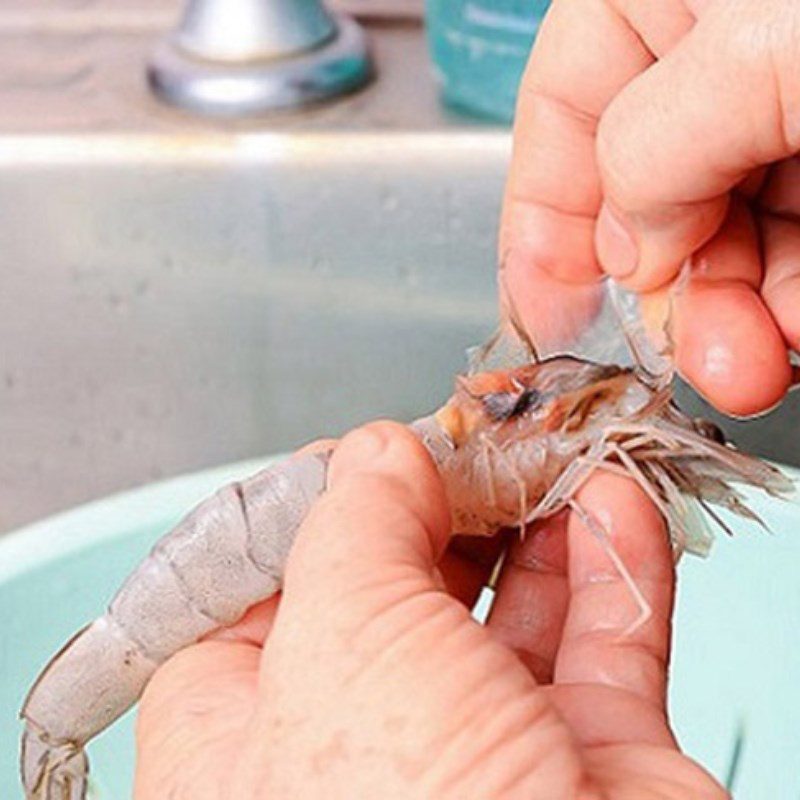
(616, 247)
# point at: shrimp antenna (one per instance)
(523, 336)
(513, 317)
(510, 344)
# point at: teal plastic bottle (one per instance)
(480, 48)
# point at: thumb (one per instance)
(383, 522)
(685, 132)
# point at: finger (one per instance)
(781, 289)
(318, 446)
(191, 718)
(681, 135)
(727, 344)
(383, 522)
(532, 297)
(584, 53)
(603, 715)
(732, 257)
(531, 601)
(253, 628)
(780, 192)
(464, 573)
(596, 649)
(660, 24)
(730, 348)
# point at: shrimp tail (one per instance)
(226, 555)
(52, 769)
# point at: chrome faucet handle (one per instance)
(242, 57)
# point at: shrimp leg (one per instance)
(563, 494)
(228, 554)
(593, 525)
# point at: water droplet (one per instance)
(9, 380)
(142, 287)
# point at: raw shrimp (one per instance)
(512, 446)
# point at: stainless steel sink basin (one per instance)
(167, 310)
(177, 295)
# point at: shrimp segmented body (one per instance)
(512, 446)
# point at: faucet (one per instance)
(242, 57)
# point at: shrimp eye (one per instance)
(502, 406)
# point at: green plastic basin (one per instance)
(736, 659)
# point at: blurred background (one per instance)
(228, 227)
(190, 277)
(180, 290)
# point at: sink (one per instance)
(178, 294)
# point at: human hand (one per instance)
(647, 133)
(374, 680)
